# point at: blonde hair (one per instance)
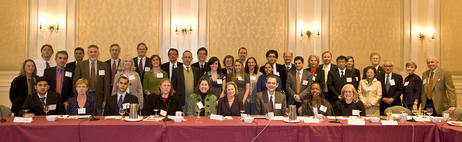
(172, 91)
(121, 65)
(81, 81)
(411, 63)
(235, 88)
(355, 93)
(242, 73)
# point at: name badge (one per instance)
(323, 108)
(253, 78)
(305, 82)
(131, 77)
(68, 74)
(219, 81)
(101, 72)
(349, 79)
(277, 106)
(160, 75)
(126, 105)
(356, 78)
(200, 105)
(406, 83)
(163, 112)
(424, 81)
(392, 82)
(81, 111)
(52, 107)
(146, 69)
(314, 78)
(239, 78)
(355, 112)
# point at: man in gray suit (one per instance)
(98, 75)
(270, 100)
(298, 83)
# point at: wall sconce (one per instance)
(427, 34)
(50, 28)
(308, 33)
(183, 30)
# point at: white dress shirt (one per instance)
(40, 63)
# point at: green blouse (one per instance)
(151, 81)
(210, 104)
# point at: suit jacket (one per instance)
(155, 101)
(318, 76)
(291, 85)
(147, 64)
(262, 106)
(179, 84)
(111, 104)
(103, 82)
(393, 92)
(108, 62)
(412, 91)
(73, 108)
(67, 87)
(34, 105)
(379, 71)
(332, 66)
(18, 93)
(443, 92)
(224, 109)
(357, 75)
(335, 83)
(166, 67)
(71, 66)
(307, 108)
(282, 74)
(202, 71)
(292, 68)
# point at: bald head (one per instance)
(388, 66)
(288, 57)
(432, 62)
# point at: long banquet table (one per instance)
(70, 130)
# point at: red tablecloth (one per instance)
(227, 130)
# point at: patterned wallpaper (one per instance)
(360, 27)
(258, 25)
(13, 33)
(125, 22)
(451, 31)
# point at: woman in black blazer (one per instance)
(230, 105)
(412, 87)
(316, 100)
(23, 85)
(82, 101)
(351, 66)
(164, 98)
(318, 73)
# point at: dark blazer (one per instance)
(18, 93)
(73, 108)
(379, 71)
(179, 84)
(282, 74)
(71, 66)
(147, 64)
(291, 85)
(262, 103)
(224, 109)
(155, 101)
(166, 67)
(111, 104)
(67, 88)
(344, 109)
(393, 92)
(34, 105)
(202, 71)
(412, 91)
(108, 62)
(292, 68)
(103, 82)
(357, 75)
(321, 66)
(318, 76)
(335, 83)
(307, 108)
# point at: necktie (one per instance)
(42, 100)
(140, 66)
(325, 77)
(121, 100)
(92, 75)
(288, 67)
(341, 76)
(387, 82)
(113, 71)
(271, 104)
(47, 65)
(170, 72)
(202, 66)
(298, 82)
(58, 81)
(430, 86)
(187, 69)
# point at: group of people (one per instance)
(93, 87)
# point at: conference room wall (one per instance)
(451, 31)
(104, 22)
(13, 33)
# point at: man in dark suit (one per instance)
(278, 69)
(60, 78)
(392, 86)
(270, 100)
(288, 61)
(115, 102)
(298, 83)
(114, 62)
(338, 77)
(142, 63)
(172, 64)
(97, 74)
(37, 103)
(202, 63)
(326, 67)
(185, 79)
(79, 53)
(375, 62)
